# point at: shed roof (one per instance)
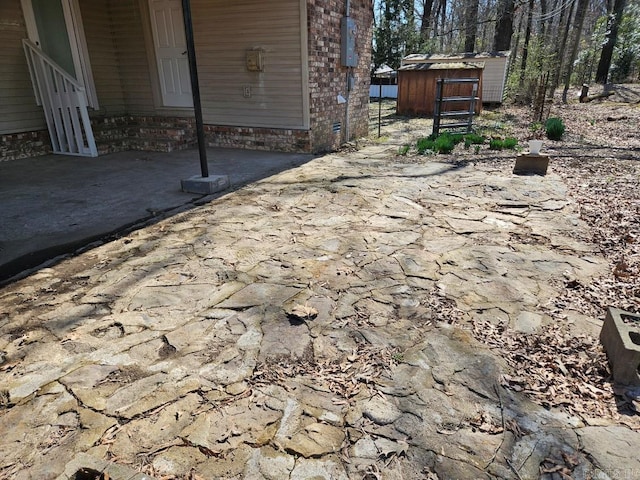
(442, 66)
(434, 57)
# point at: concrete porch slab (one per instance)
(55, 204)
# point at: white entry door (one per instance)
(171, 52)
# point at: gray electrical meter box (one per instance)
(348, 53)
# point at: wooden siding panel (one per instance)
(18, 109)
(224, 31)
(417, 90)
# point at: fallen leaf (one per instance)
(305, 311)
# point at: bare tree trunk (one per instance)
(559, 53)
(611, 38)
(543, 18)
(578, 23)
(470, 25)
(504, 25)
(443, 24)
(527, 38)
(516, 46)
(425, 22)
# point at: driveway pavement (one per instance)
(319, 323)
(55, 204)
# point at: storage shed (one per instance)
(417, 86)
(495, 69)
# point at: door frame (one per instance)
(77, 42)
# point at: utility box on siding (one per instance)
(417, 86)
(495, 69)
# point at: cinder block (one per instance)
(620, 337)
(530, 164)
(205, 185)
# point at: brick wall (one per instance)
(328, 78)
(23, 145)
(275, 139)
(161, 134)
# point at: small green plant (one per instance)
(404, 149)
(537, 130)
(456, 138)
(508, 143)
(476, 149)
(496, 144)
(425, 145)
(398, 357)
(554, 127)
(474, 139)
(445, 143)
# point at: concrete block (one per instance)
(205, 185)
(620, 337)
(531, 164)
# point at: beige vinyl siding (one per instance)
(493, 79)
(224, 31)
(132, 56)
(102, 52)
(18, 109)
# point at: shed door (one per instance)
(171, 52)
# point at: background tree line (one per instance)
(559, 42)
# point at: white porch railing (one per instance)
(64, 102)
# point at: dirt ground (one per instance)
(599, 160)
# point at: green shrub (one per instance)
(445, 143)
(474, 139)
(510, 143)
(424, 145)
(496, 144)
(554, 128)
(456, 138)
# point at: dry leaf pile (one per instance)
(560, 466)
(559, 369)
(342, 376)
(608, 194)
